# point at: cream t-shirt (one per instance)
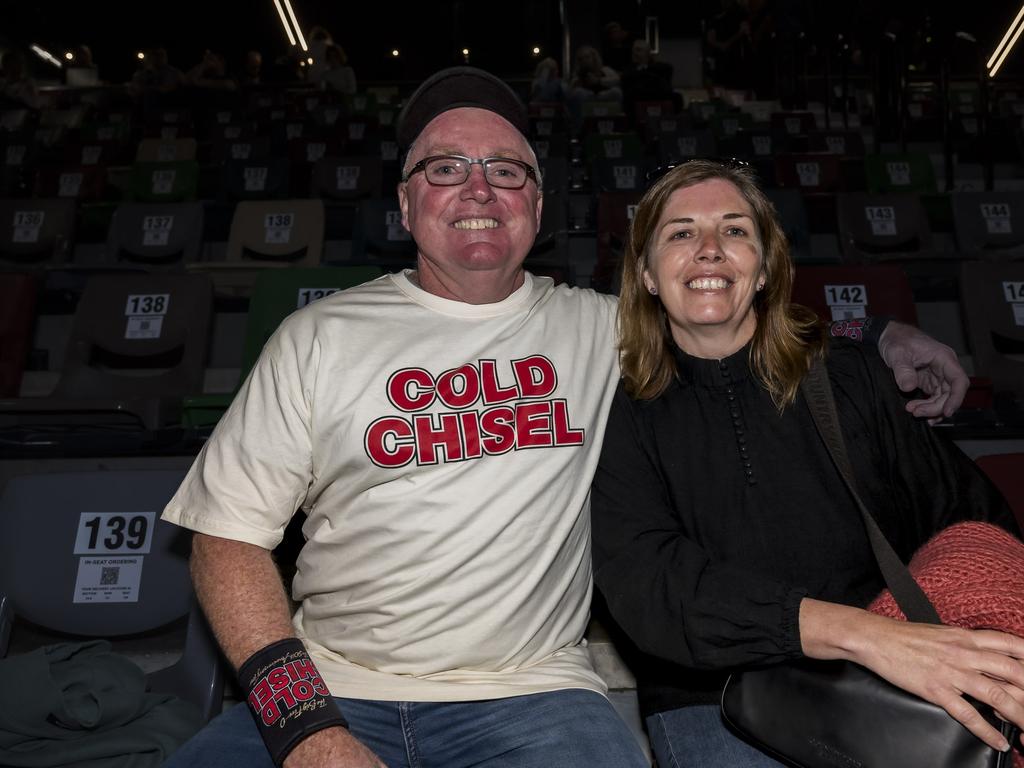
(443, 454)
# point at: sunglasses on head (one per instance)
(732, 163)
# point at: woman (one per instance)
(723, 536)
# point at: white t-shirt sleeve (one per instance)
(255, 470)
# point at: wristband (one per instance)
(866, 329)
(287, 697)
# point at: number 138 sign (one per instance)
(114, 533)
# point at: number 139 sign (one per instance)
(114, 533)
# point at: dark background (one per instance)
(431, 34)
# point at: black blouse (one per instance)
(714, 515)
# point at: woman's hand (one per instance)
(938, 663)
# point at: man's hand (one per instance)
(332, 748)
(920, 362)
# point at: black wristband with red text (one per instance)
(866, 329)
(287, 696)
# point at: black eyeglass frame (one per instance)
(531, 172)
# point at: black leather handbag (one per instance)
(837, 714)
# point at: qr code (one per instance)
(109, 576)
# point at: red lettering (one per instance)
(302, 690)
(535, 375)
(499, 432)
(261, 693)
(470, 389)
(494, 393)
(411, 389)
(428, 438)
(564, 434)
(388, 442)
(270, 713)
(304, 669)
(285, 695)
(278, 678)
(533, 425)
(320, 686)
(471, 434)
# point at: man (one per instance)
(440, 429)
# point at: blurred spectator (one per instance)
(252, 65)
(646, 78)
(592, 78)
(616, 46)
(319, 40)
(210, 73)
(156, 75)
(547, 84)
(592, 81)
(81, 70)
(17, 89)
(727, 37)
(288, 69)
(338, 76)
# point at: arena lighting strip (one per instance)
(45, 55)
(284, 22)
(999, 54)
(294, 24)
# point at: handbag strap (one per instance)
(908, 593)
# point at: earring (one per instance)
(760, 286)
(653, 290)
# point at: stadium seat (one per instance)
(1006, 470)
(992, 300)
(256, 179)
(346, 178)
(676, 146)
(84, 555)
(164, 182)
(879, 227)
(792, 210)
(157, 236)
(614, 213)
(137, 346)
(17, 317)
(247, 148)
(627, 174)
(276, 294)
(839, 293)
(833, 142)
(36, 231)
(82, 183)
(902, 172)
(267, 234)
(165, 150)
(724, 124)
(613, 146)
(379, 237)
(989, 225)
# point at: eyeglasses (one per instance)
(732, 163)
(452, 170)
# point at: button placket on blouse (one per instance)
(737, 423)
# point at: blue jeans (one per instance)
(568, 729)
(696, 737)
